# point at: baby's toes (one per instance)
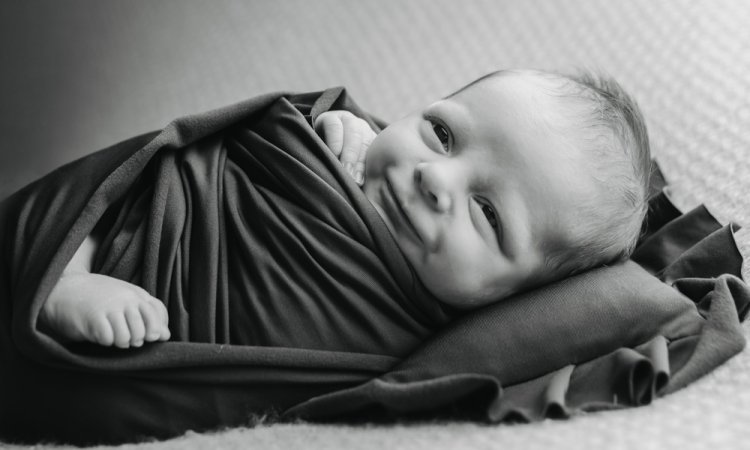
(135, 325)
(120, 329)
(152, 320)
(100, 331)
(163, 318)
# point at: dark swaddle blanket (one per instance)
(251, 237)
(285, 290)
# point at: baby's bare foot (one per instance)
(104, 310)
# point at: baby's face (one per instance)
(473, 186)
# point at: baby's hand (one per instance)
(104, 310)
(348, 137)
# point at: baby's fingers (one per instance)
(352, 148)
(348, 137)
(359, 166)
(330, 126)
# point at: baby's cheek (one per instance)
(464, 266)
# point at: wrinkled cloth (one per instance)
(277, 273)
(610, 338)
(287, 293)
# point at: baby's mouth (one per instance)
(397, 211)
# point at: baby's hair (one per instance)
(600, 118)
(615, 130)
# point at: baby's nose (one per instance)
(433, 187)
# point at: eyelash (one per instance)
(446, 134)
(490, 214)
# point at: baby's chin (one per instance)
(452, 293)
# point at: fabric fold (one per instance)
(280, 278)
(611, 338)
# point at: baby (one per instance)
(518, 179)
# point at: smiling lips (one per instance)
(397, 210)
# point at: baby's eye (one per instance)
(442, 135)
(490, 215)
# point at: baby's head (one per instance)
(518, 179)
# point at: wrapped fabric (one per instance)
(280, 279)
(612, 337)
(287, 293)
(609, 338)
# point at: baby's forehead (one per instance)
(543, 96)
(545, 82)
